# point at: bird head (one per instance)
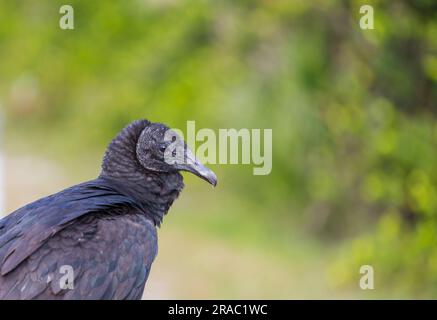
(161, 149)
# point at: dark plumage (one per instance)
(105, 229)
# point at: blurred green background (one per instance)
(353, 114)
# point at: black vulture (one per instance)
(98, 239)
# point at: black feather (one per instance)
(105, 229)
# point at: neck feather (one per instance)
(155, 191)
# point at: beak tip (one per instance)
(192, 165)
(212, 179)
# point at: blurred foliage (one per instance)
(353, 111)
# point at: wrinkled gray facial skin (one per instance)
(160, 149)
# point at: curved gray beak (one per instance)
(191, 164)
